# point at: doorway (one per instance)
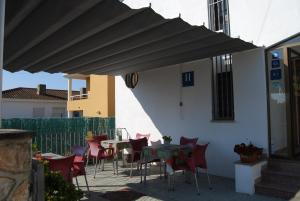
(294, 66)
(283, 65)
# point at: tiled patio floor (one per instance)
(156, 188)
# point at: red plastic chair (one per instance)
(141, 136)
(79, 164)
(100, 138)
(199, 158)
(136, 155)
(62, 165)
(100, 153)
(186, 141)
(137, 147)
(192, 162)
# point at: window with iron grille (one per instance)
(218, 16)
(222, 81)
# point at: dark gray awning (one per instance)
(102, 37)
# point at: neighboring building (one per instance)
(228, 102)
(97, 99)
(37, 102)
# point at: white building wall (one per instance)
(264, 22)
(12, 108)
(153, 107)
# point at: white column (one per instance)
(69, 94)
(2, 16)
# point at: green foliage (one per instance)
(57, 189)
(34, 147)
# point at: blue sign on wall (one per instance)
(275, 63)
(276, 74)
(188, 79)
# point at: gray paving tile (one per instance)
(157, 189)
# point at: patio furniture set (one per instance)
(188, 156)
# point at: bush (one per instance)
(57, 189)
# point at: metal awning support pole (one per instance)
(69, 95)
(2, 21)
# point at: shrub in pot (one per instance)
(248, 153)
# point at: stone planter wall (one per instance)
(15, 164)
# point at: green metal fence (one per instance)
(58, 135)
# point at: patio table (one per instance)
(165, 152)
(118, 146)
(52, 156)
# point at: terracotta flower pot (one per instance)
(250, 158)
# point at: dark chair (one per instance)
(188, 141)
(63, 165)
(79, 164)
(198, 154)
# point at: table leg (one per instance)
(141, 172)
(165, 170)
(123, 158)
(117, 165)
(145, 175)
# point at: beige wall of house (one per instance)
(100, 101)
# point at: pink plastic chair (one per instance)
(99, 139)
(62, 165)
(100, 153)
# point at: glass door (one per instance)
(295, 103)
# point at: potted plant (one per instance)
(167, 139)
(248, 153)
(35, 152)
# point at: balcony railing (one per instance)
(79, 97)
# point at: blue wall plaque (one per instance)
(275, 74)
(275, 63)
(188, 79)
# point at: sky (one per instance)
(25, 79)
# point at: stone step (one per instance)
(280, 177)
(276, 190)
(284, 165)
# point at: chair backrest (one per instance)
(62, 165)
(186, 141)
(78, 150)
(94, 147)
(140, 136)
(155, 143)
(100, 138)
(138, 144)
(198, 155)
